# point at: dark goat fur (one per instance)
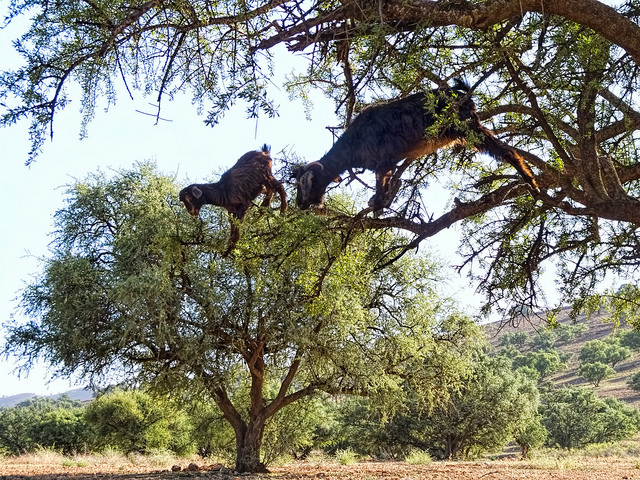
(382, 136)
(237, 188)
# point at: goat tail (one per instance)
(501, 151)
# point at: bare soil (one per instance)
(586, 469)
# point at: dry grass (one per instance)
(49, 461)
(604, 464)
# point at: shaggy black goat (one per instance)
(236, 189)
(408, 128)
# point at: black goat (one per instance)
(408, 128)
(236, 189)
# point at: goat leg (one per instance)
(381, 199)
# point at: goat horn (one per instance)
(313, 165)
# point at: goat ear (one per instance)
(196, 192)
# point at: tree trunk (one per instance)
(248, 443)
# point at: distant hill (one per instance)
(81, 394)
(598, 329)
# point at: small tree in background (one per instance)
(566, 333)
(630, 338)
(545, 362)
(63, 429)
(531, 435)
(595, 372)
(609, 352)
(43, 422)
(520, 338)
(576, 417)
(485, 413)
(544, 340)
(634, 382)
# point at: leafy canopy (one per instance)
(556, 79)
(136, 290)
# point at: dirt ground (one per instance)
(592, 469)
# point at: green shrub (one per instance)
(346, 457)
(418, 457)
(133, 421)
(576, 417)
(634, 382)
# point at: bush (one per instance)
(35, 423)
(634, 382)
(544, 340)
(418, 457)
(63, 429)
(631, 339)
(346, 457)
(133, 421)
(566, 333)
(545, 363)
(576, 417)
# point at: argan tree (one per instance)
(558, 80)
(136, 290)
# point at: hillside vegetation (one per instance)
(589, 329)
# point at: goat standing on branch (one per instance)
(405, 129)
(236, 189)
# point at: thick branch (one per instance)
(428, 229)
(405, 15)
(596, 15)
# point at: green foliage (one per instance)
(212, 434)
(64, 429)
(544, 340)
(545, 363)
(630, 338)
(136, 285)
(132, 421)
(566, 333)
(418, 457)
(380, 426)
(516, 339)
(531, 434)
(622, 305)
(14, 429)
(44, 422)
(634, 382)
(293, 431)
(609, 352)
(520, 338)
(346, 457)
(595, 372)
(484, 413)
(576, 417)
